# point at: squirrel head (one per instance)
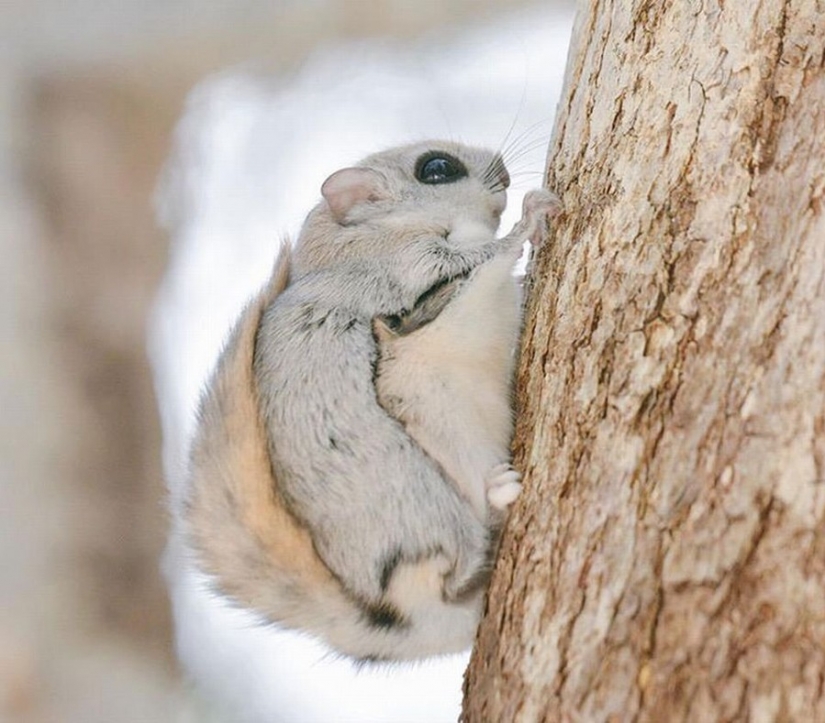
(389, 198)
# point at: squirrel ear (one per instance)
(349, 187)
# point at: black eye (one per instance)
(439, 167)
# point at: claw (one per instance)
(539, 206)
(503, 486)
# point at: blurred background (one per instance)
(90, 94)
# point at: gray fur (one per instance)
(323, 491)
(348, 470)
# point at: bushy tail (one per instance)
(236, 524)
(255, 550)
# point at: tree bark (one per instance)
(666, 560)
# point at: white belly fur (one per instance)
(450, 382)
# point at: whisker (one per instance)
(524, 136)
(516, 117)
(527, 161)
(531, 145)
(528, 157)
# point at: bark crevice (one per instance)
(671, 395)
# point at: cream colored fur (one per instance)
(403, 513)
(450, 383)
(245, 538)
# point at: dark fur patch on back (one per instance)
(426, 308)
(384, 616)
(388, 568)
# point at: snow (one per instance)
(251, 154)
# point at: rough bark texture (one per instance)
(667, 559)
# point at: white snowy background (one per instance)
(251, 154)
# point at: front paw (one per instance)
(503, 485)
(470, 571)
(538, 207)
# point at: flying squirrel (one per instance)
(351, 462)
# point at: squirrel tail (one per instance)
(236, 524)
(257, 553)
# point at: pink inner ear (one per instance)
(349, 187)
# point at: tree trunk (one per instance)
(667, 558)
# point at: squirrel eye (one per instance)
(435, 168)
